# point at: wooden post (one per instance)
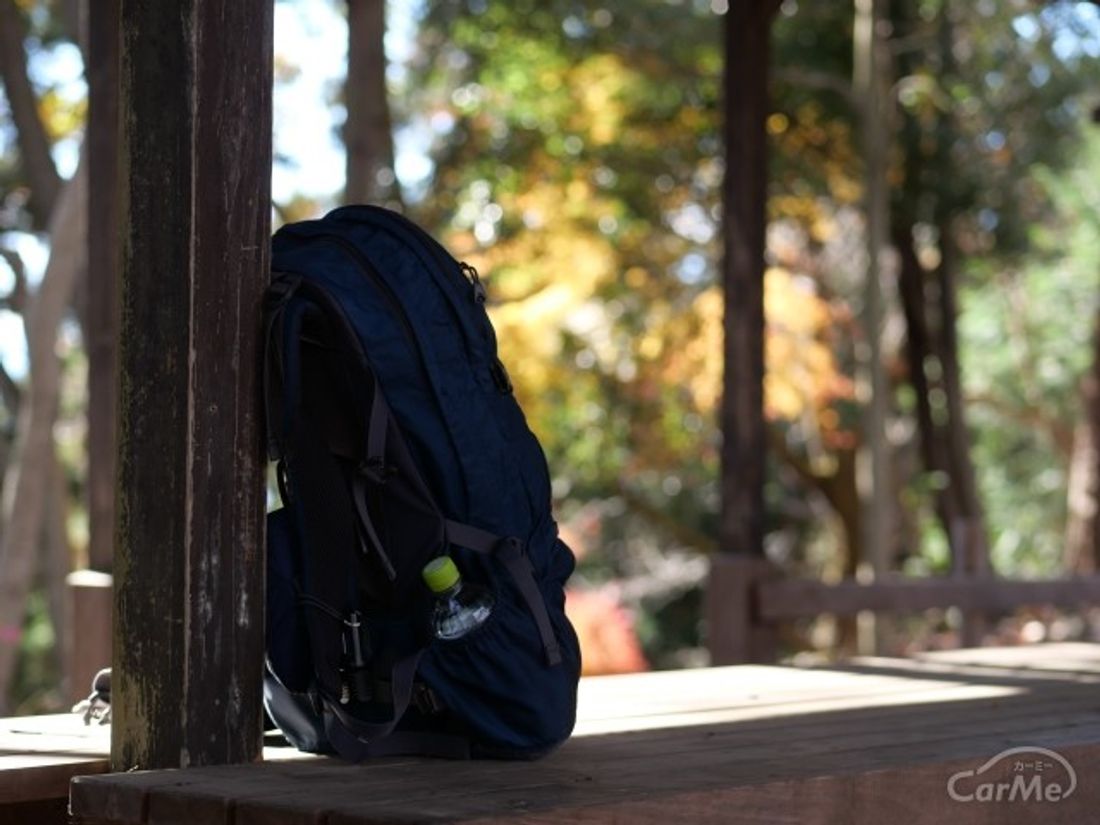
(748, 33)
(103, 270)
(89, 609)
(873, 468)
(736, 633)
(744, 193)
(196, 81)
(88, 643)
(970, 563)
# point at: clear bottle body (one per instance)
(460, 609)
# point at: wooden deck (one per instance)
(39, 756)
(874, 741)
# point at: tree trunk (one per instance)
(921, 350)
(932, 336)
(55, 564)
(1082, 487)
(964, 481)
(368, 133)
(74, 17)
(101, 320)
(1082, 547)
(968, 531)
(26, 485)
(968, 534)
(34, 144)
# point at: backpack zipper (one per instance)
(497, 369)
(470, 271)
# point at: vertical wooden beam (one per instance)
(744, 193)
(735, 631)
(196, 79)
(870, 71)
(101, 327)
(748, 37)
(89, 609)
(88, 642)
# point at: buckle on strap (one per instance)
(376, 470)
(426, 701)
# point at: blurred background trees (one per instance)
(574, 153)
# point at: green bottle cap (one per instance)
(440, 574)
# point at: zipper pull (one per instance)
(479, 288)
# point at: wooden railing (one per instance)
(786, 599)
(748, 599)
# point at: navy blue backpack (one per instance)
(398, 439)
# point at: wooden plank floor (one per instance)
(39, 755)
(875, 741)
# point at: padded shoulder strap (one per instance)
(275, 300)
(325, 513)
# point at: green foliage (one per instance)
(1030, 332)
(1000, 93)
(62, 101)
(35, 685)
(578, 164)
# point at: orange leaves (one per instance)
(802, 376)
(609, 643)
(800, 365)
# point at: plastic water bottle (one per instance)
(459, 607)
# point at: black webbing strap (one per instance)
(378, 424)
(374, 464)
(473, 538)
(359, 498)
(509, 552)
(402, 678)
